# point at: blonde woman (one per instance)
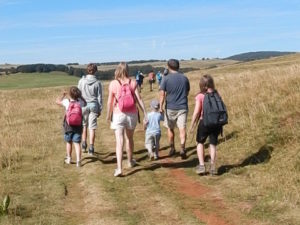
(123, 114)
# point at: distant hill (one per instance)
(249, 56)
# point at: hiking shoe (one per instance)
(172, 152)
(200, 169)
(68, 160)
(183, 154)
(213, 170)
(132, 163)
(117, 173)
(91, 150)
(84, 146)
(78, 164)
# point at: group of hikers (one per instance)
(83, 106)
(152, 77)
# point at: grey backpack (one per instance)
(214, 110)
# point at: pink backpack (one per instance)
(74, 114)
(126, 99)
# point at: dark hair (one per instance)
(173, 64)
(92, 68)
(74, 93)
(206, 81)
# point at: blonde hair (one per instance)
(121, 71)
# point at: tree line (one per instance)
(79, 72)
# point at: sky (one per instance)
(65, 31)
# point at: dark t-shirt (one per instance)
(177, 87)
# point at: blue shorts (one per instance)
(72, 137)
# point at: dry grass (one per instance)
(259, 163)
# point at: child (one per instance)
(91, 89)
(153, 132)
(206, 86)
(72, 134)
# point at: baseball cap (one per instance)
(154, 104)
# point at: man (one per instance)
(174, 90)
(91, 90)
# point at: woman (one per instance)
(122, 115)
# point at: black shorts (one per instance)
(203, 132)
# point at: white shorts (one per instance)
(124, 120)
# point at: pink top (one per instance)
(115, 88)
(200, 98)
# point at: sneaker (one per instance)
(213, 170)
(68, 160)
(150, 156)
(156, 156)
(172, 152)
(91, 150)
(200, 169)
(117, 173)
(132, 163)
(183, 154)
(78, 164)
(84, 146)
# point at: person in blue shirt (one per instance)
(139, 77)
(158, 78)
(153, 132)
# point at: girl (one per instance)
(72, 134)
(123, 121)
(206, 86)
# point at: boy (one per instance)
(153, 132)
(91, 89)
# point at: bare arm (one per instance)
(196, 116)
(61, 98)
(162, 97)
(110, 102)
(140, 102)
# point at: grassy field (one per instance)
(258, 158)
(35, 80)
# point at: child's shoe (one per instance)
(84, 146)
(68, 160)
(91, 150)
(150, 156)
(118, 173)
(200, 169)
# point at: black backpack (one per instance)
(214, 110)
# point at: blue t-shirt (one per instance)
(177, 88)
(153, 126)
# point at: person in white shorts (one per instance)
(123, 121)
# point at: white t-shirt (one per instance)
(66, 102)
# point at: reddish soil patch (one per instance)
(208, 207)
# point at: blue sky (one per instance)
(33, 31)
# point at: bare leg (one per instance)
(200, 153)
(78, 151)
(84, 134)
(171, 137)
(129, 144)
(213, 153)
(69, 149)
(119, 147)
(92, 136)
(182, 133)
